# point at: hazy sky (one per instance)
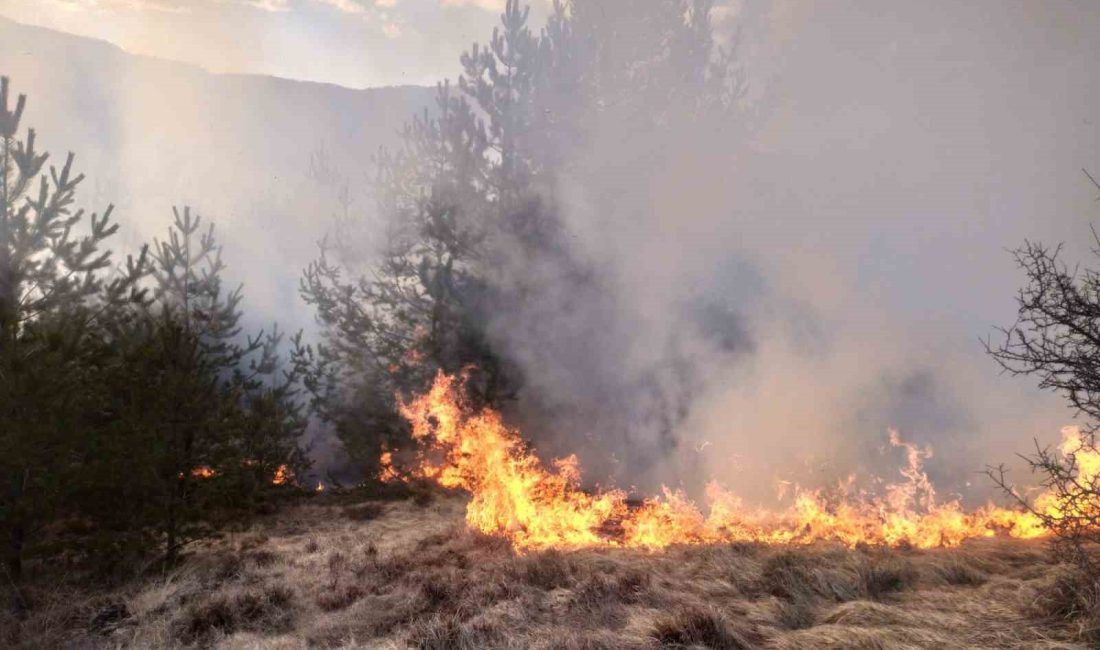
(355, 43)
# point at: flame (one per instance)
(202, 471)
(513, 494)
(1083, 461)
(282, 475)
(320, 487)
(388, 472)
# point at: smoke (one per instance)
(764, 295)
(773, 294)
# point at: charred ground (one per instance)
(344, 571)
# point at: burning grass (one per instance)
(516, 496)
(415, 576)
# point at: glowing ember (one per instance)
(514, 495)
(387, 472)
(203, 471)
(282, 475)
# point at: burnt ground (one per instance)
(342, 572)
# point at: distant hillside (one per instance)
(151, 133)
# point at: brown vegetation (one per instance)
(394, 574)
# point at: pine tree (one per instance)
(470, 191)
(207, 413)
(56, 286)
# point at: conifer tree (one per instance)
(224, 420)
(56, 285)
(469, 192)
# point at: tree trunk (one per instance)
(15, 554)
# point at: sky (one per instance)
(354, 43)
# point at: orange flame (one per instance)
(1075, 502)
(282, 475)
(514, 495)
(202, 471)
(387, 472)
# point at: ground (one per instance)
(344, 572)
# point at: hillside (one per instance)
(151, 133)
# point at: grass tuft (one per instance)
(702, 626)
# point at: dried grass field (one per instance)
(348, 572)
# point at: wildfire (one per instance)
(515, 495)
(282, 475)
(202, 471)
(1074, 502)
(387, 472)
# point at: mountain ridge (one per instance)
(268, 158)
(106, 44)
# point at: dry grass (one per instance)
(399, 574)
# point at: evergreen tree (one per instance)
(202, 419)
(55, 288)
(225, 422)
(469, 195)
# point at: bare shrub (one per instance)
(699, 626)
(1073, 514)
(1055, 338)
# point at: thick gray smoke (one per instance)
(777, 293)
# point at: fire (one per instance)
(387, 472)
(1075, 501)
(202, 471)
(513, 494)
(282, 475)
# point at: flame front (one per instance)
(515, 495)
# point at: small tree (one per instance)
(203, 410)
(468, 195)
(55, 289)
(271, 420)
(1056, 337)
